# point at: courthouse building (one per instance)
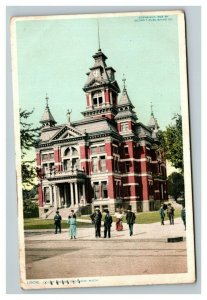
(108, 159)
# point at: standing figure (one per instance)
(170, 213)
(96, 220)
(107, 224)
(183, 215)
(73, 213)
(57, 219)
(162, 214)
(119, 217)
(72, 226)
(130, 218)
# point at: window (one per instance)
(93, 150)
(44, 167)
(96, 190)
(75, 163)
(97, 99)
(101, 149)
(102, 163)
(127, 166)
(51, 155)
(104, 190)
(51, 166)
(66, 164)
(115, 149)
(126, 150)
(117, 190)
(128, 190)
(124, 127)
(47, 195)
(44, 156)
(67, 152)
(74, 151)
(94, 164)
(116, 164)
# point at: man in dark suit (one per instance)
(57, 219)
(130, 218)
(107, 224)
(96, 219)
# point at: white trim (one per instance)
(134, 183)
(133, 159)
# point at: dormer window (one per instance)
(124, 127)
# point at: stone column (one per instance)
(71, 194)
(55, 196)
(84, 194)
(76, 194)
(58, 196)
(50, 188)
(65, 195)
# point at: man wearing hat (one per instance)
(57, 219)
(107, 224)
(96, 220)
(130, 218)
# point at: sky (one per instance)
(53, 57)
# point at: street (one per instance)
(146, 252)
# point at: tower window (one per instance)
(97, 99)
(126, 150)
(124, 127)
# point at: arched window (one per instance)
(74, 151)
(67, 152)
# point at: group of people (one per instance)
(96, 219)
(170, 213)
(71, 222)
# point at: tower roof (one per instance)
(124, 100)
(47, 117)
(125, 106)
(152, 121)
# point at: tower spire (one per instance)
(47, 119)
(152, 114)
(99, 44)
(124, 82)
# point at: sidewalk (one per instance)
(142, 232)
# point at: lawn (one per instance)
(143, 217)
(35, 223)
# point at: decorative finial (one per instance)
(152, 114)
(46, 98)
(124, 82)
(99, 46)
(68, 115)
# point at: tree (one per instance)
(175, 183)
(28, 137)
(171, 143)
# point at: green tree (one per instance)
(28, 137)
(175, 183)
(171, 143)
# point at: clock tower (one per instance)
(101, 89)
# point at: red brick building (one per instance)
(108, 159)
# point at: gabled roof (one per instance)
(66, 131)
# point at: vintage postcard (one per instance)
(103, 158)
